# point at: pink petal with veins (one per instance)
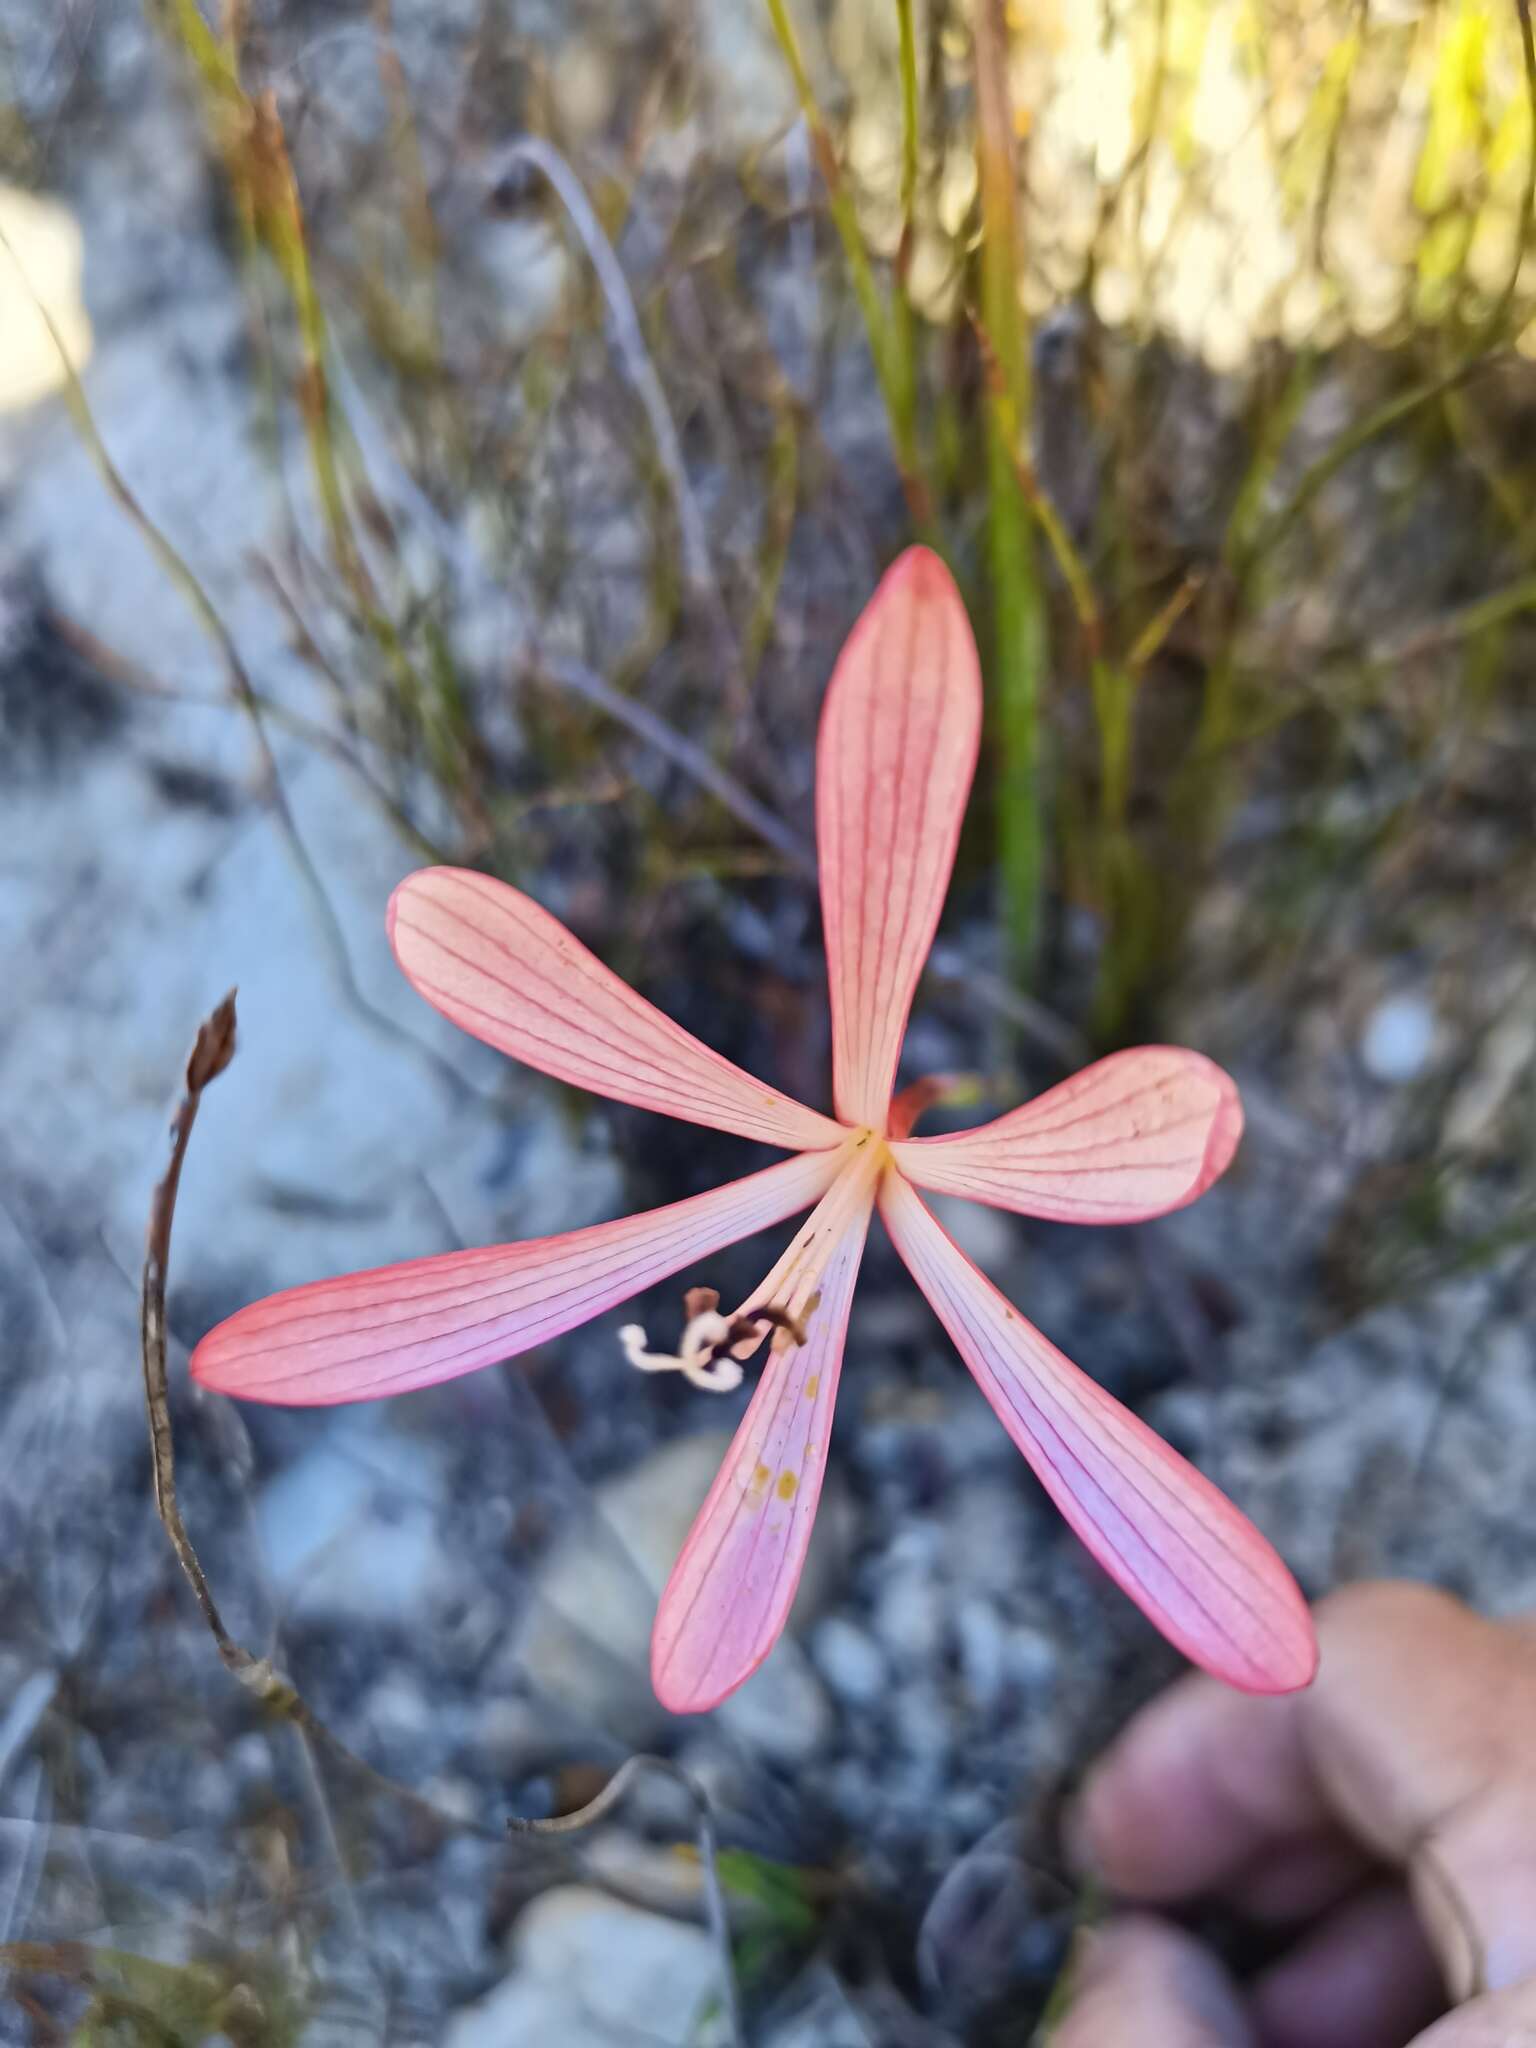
(504, 970)
(1197, 1568)
(412, 1325)
(1132, 1136)
(894, 761)
(731, 1589)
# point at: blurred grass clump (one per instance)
(1164, 309)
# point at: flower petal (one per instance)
(503, 969)
(1196, 1567)
(894, 761)
(411, 1325)
(731, 1589)
(1132, 1136)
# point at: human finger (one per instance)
(1363, 1977)
(1299, 1879)
(1504, 2019)
(1418, 1741)
(1139, 1980)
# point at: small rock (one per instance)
(46, 238)
(586, 1638)
(514, 1735)
(647, 1870)
(590, 1972)
(349, 1530)
(397, 1709)
(1031, 1656)
(987, 1536)
(1398, 1039)
(855, 1793)
(783, 1709)
(909, 1617)
(986, 1236)
(983, 1655)
(924, 1722)
(248, 1760)
(851, 1661)
(455, 1795)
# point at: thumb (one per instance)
(1503, 2019)
(1138, 1980)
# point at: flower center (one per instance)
(712, 1347)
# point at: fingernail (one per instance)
(1451, 1924)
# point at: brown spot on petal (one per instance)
(813, 1386)
(787, 1484)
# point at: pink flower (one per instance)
(1133, 1136)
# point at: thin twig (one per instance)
(1163, 621)
(695, 762)
(885, 346)
(1069, 561)
(802, 256)
(1465, 623)
(624, 324)
(32, 1854)
(351, 1912)
(1494, 325)
(211, 1054)
(714, 1897)
(32, 1699)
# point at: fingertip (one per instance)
(1197, 1782)
(1364, 1973)
(1117, 1826)
(1137, 1980)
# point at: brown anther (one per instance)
(746, 1332)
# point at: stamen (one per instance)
(699, 1357)
(713, 1346)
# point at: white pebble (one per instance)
(850, 1661)
(1398, 1039)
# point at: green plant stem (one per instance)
(1018, 632)
(904, 326)
(1017, 599)
(892, 358)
